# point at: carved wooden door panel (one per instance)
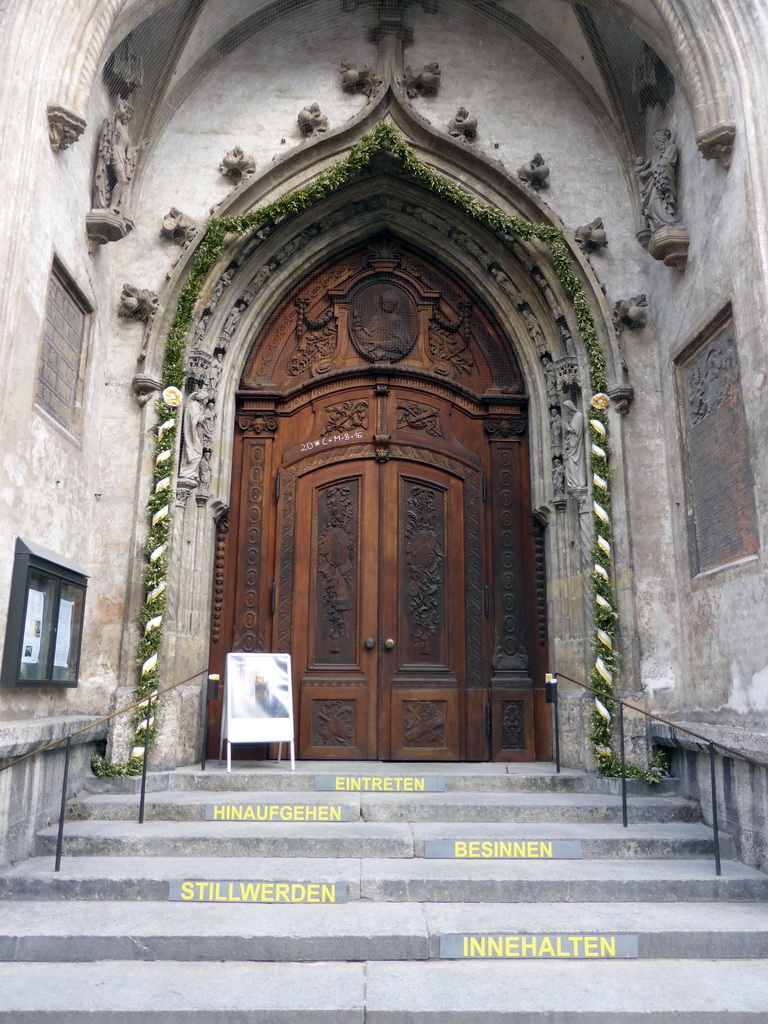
(335, 609)
(378, 632)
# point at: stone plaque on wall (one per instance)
(721, 504)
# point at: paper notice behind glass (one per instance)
(33, 627)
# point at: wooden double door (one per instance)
(379, 527)
(382, 596)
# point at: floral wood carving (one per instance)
(336, 562)
(316, 338)
(222, 528)
(512, 725)
(346, 416)
(423, 546)
(449, 342)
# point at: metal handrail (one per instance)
(92, 725)
(710, 743)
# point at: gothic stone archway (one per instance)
(380, 527)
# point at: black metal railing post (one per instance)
(623, 766)
(211, 693)
(714, 807)
(551, 688)
(60, 837)
(145, 759)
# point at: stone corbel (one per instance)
(716, 143)
(630, 313)
(64, 127)
(670, 245)
(622, 397)
(144, 387)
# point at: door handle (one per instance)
(389, 644)
(369, 643)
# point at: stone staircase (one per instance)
(550, 912)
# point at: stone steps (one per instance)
(83, 931)
(147, 922)
(394, 807)
(365, 839)
(712, 991)
(397, 880)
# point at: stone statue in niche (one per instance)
(462, 126)
(358, 78)
(312, 121)
(384, 322)
(630, 313)
(535, 173)
(178, 227)
(424, 82)
(115, 164)
(236, 165)
(592, 237)
(658, 182)
(664, 236)
(137, 304)
(197, 422)
(573, 444)
(115, 160)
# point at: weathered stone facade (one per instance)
(228, 77)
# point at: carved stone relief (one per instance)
(462, 126)
(312, 121)
(137, 304)
(535, 173)
(424, 81)
(630, 313)
(178, 227)
(356, 78)
(236, 165)
(592, 237)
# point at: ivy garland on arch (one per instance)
(159, 504)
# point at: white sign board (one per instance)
(258, 698)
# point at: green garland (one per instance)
(159, 505)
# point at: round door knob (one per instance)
(389, 644)
(369, 643)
